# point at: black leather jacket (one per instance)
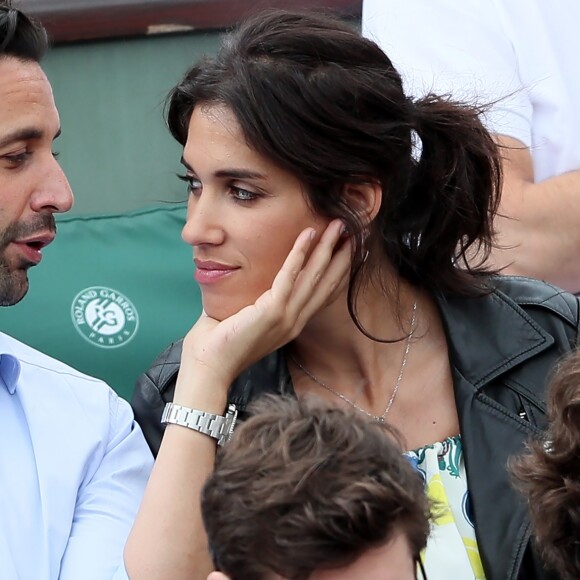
(502, 348)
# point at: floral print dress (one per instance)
(451, 551)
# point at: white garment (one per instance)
(73, 468)
(524, 52)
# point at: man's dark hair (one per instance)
(303, 486)
(20, 36)
(549, 474)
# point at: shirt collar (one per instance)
(9, 372)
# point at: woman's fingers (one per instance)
(295, 282)
(333, 277)
(284, 282)
(302, 287)
(326, 267)
(297, 278)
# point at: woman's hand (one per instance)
(217, 352)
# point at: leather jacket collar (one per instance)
(487, 337)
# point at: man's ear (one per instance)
(215, 575)
(365, 199)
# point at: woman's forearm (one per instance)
(168, 540)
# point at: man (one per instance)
(305, 490)
(520, 56)
(73, 464)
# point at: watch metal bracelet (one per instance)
(217, 426)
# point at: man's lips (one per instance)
(32, 246)
(208, 271)
(38, 241)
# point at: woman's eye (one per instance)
(193, 184)
(241, 194)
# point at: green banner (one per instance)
(110, 294)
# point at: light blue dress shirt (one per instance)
(73, 469)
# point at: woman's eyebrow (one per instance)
(239, 174)
(231, 173)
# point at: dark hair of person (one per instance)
(319, 100)
(20, 36)
(303, 486)
(549, 474)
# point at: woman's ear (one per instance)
(365, 199)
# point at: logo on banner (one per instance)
(104, 316)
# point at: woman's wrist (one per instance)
(204, 393)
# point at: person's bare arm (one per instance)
(538, 231)
(168, 540)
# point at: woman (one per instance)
(332, 220)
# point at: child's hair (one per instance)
(304, 486)
(549, 473)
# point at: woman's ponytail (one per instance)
(452, 196)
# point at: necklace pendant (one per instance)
(380, 419)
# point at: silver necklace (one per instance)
(380, 418)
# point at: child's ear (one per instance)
(215, 575)
(365, 199)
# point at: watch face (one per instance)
(230, 424)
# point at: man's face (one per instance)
(32, 184)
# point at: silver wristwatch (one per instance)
(217, 426)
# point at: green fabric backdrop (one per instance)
(115, 148)
(110, 294)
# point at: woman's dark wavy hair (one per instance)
(549, 474)
(20, 36)
(327, 105)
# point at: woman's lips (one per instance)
(209, 272)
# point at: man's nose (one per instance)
(53, 192)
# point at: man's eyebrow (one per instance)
(233, 173)
(26, 134)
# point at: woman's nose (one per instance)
(204, 223)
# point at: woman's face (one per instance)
(244, 213)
